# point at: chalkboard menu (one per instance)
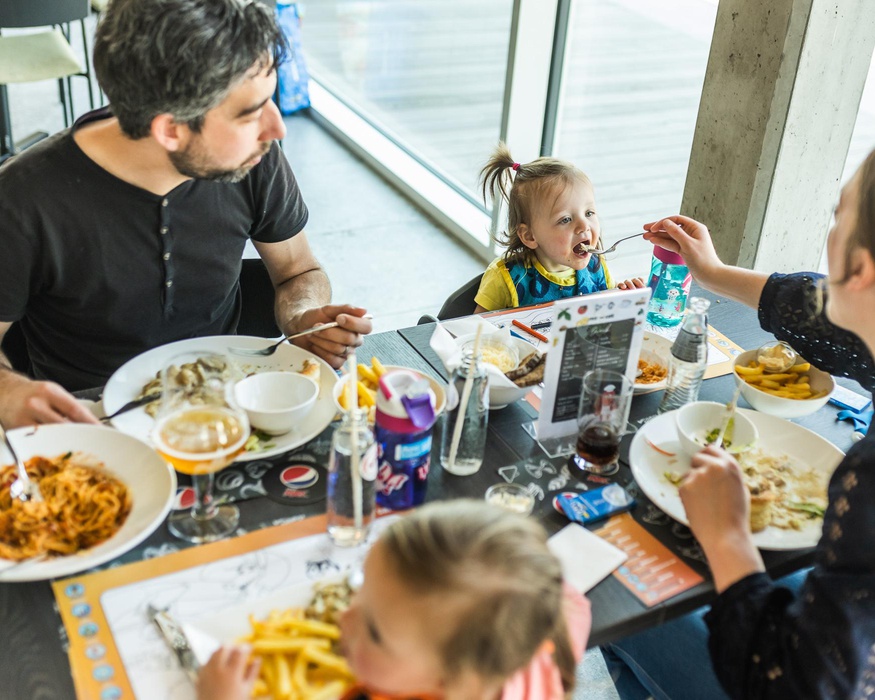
(595, 331)
(603, 346)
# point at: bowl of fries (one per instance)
(367, 385)
(800, 391)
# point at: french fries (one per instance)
(297, 659)
(792, 384)
(368, 378)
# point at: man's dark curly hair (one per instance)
(180, 57)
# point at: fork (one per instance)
(23, 488)
(596, 251)
(270, 350)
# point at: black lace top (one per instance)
(765, 642)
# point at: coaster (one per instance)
(297, 484)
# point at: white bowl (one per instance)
(778, 405)
(500, 395)
(655, 349)
(276, 401)
(695, 420)
(440, 393)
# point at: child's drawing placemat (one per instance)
(115, 649)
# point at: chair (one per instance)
(459, 303)
(257, 296)
(44, 55)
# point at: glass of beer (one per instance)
(199, 430)
(605, 398)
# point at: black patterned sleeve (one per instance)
(792, 308)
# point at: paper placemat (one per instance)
(652, 572)
(115, 650)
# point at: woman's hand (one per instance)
(228, 675)
(681, 234)
(689, 238)
(718, 508)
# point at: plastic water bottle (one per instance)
(342, 491)
(689, 358)
(670, 284)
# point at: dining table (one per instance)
(33, 658)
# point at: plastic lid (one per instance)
(405, 395)
(667, 256)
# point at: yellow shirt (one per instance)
(498, 291)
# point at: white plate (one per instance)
(208, 633)
(653, 346)
(152, 484)
(129, 379)
(776, 435)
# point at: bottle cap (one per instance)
(667, 256)
(405, 402)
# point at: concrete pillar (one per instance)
(778, 108)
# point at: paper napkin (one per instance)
(586, 558)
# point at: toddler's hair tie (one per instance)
(516, 166)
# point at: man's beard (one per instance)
(192, 162)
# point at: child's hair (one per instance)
(522, 190)
(499, 568)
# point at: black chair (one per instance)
(459, 303)
(257, 295)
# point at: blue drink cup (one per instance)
(405, 416)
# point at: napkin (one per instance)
(449, 351)
(586, 558)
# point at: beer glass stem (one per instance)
(203, 508)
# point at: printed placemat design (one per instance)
(652, 572)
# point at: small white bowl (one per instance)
(778, 405)
(276, 401)
(501, 396)
(695, 420)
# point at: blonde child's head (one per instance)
(550, 209)
(457, 597)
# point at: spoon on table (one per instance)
(596, 251)
(270, 350)
(23, 488)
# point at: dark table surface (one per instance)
(33, 662)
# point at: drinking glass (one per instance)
(601, 421)
(199, 430)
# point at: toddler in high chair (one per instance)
(551, 224)
(460, 601)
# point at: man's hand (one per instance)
(27, 402)
(335, 344)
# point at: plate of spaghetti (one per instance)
(103, 492)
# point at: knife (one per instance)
(131, 405)
(177, 640)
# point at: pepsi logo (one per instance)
(556, 505)
(184, 498)
(299, 477)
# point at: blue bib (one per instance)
(532, 287)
